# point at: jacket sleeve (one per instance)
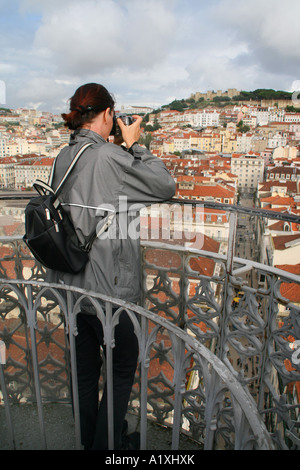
(146, 178)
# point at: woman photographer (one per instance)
(105, 174)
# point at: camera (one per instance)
(128, 120)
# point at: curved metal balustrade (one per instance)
(223, 372)
(216, 403)
(253, 339)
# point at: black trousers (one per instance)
(93, 416)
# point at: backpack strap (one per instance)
(73, 163)
(42, 188)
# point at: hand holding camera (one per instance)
(127, 127)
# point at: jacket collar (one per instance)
(85, 135)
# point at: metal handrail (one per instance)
(257, 212)
(236, 208)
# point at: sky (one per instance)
(145, 52)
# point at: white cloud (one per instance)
(242, 44)
(92, 36)
(2, 92)
(146, 50)
(269, 28)
(44, 93)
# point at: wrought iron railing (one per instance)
(239, 311)
(214, 390)
(221, 371)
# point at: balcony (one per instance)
(218, 365)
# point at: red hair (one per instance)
(88, 101)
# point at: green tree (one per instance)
(242, 128)
(156, 125)
(146, 140)
(177, 105)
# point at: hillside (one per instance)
(222, 101)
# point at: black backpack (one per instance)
(49, 233)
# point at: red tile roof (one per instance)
(279, 200)
(215, 191)
(281, 241)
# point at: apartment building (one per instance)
(278, 188)
(286, 153)
(249, 169)
(136, 109)
(295, 129)
(167, 146)
(26, 146)
(279, 139)
(227, 117)
(208, 142)
(276, 115)
(262, 116)
(283, 173)
(292, 118)
(197, 118)
(203, 119)
(3, 142)
(244, 142)
(165, 117)
(285, 249)
(229, 143)
(7, 173)
(27, 172)
(10, 118)
(183, 141)
(207, 192)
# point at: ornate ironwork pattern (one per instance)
(222, 371)
(186, 356)
(252, 337)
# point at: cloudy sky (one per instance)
(144, 51)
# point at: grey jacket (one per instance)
(107, 181)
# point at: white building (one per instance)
(26, 173)
(249, 169)
(292, 117)
(285, 249)
(262, 117)
(205, 118)
(244, 142)
(180, 144)
(7, 173)
(295, 129)
(25, 146)
(276, 115)
(277, 140)
(3, 142)
(136, 109)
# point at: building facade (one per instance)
(249, 169)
